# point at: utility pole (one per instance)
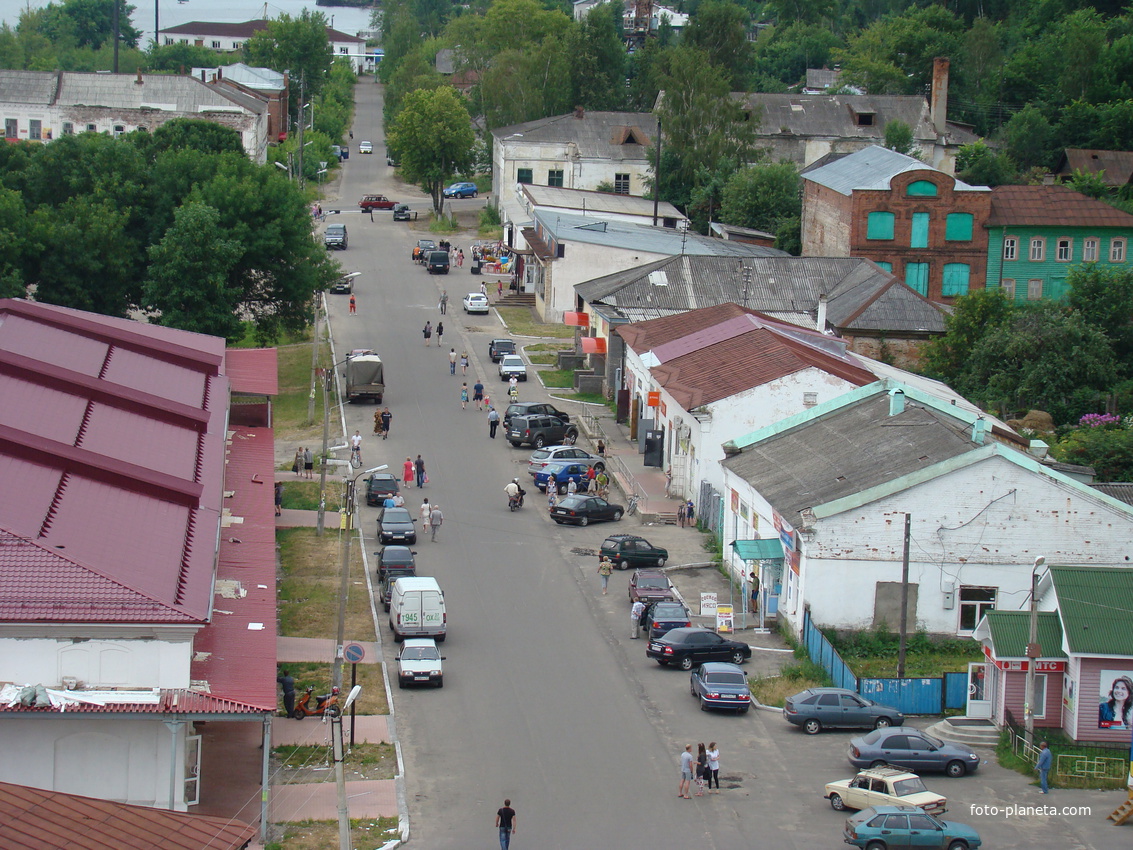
(302, 110)
(904, 638)
(1034, 651)
(314, 360)
(657, 175)
(321, 524)
(339, 771)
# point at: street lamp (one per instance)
(346, 524)
(1034, 651)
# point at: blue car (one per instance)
(884, 827)
(562, 474)
(461, 190)
(718, 684)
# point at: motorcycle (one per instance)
(326, 705)
(514, 502)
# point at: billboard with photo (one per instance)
(1115, 704)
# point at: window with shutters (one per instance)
(879, 225)
(918, 235)
(955, 281)
(958, 227)
(921, 189)
(916, 277)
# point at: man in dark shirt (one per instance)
(508, 824)
(288, 685)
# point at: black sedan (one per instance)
(583, 510)
(396, 526)
(396, 558)
(720, 685)
(691, 647)
(380, 485)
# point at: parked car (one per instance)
(691, 647)
(437, 262)
(497, 348)
(818, 708)
(562, 454)
(884, 786)
(583, 510)
(719, 684)
(419, 663)
(380, 485)
(375, 202)
(391, 558)
(365, 147)
(911, 748)
(559, 476)
(396, 526)
(461, 190)
(629, 550)
(423, 247)
(526, 408)
(512, 364)
(401, 212)
(540, 431)
(474, 302)
(335, 237)
(885, 827)
(650, 586)
(660, 618)
(345, 284)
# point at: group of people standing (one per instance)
(703, 768)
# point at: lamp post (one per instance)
(1033, 653)
(347, 525)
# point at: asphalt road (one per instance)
(546, 700)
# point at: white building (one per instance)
(230, 37)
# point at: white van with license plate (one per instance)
(417, 609)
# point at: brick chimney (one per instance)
(579, 112)
(138, 81)
(938, 102)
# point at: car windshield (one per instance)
(396, 515)
(904, 787)
(652, 583)
(726, 678)
(420, 653)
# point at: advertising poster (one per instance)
(725, 623)
(1115, 704)
(708, 605)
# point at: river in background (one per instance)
(345, 19)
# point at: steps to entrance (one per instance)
(517, 299)
(971, 731)
(1122, 813)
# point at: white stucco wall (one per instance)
(582, 261)
(97, 663)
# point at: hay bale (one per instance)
(1035, 420)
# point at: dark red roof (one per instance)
(243, 29)
(1056, 205)
(34, 819)
(252, 371)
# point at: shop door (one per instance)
(979, 691)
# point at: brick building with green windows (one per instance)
(1037, 234)
(915, 221)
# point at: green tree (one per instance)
(1030, 138)
(14, 244)
(1109, 452)
(784, 53)
(719, 30)
(88, 23)
(972, 316)
(598, 59)
(416, 71)
(979, 165)
(198, 135)
(298, 45)
(764, 196)
(1103, 297)
(894, 55)
(899, 137)
(433, 135)
(177, 58)
(522, 85)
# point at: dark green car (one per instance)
(629, 550)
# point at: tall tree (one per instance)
(719, 30)
(522, 85)
(764, 196)
(87, 23)
(894, 55)
(972, 316)
(1103, 297)
(433, 136)
(298, 45)
(598, 59)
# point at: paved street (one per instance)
(546, 700)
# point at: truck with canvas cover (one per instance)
(365, 378)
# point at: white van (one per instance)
(417, 609)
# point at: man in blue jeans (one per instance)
(508, 824)
(1045, 759)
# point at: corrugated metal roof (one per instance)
(260, 79)
(35, 819)
(252, 371)
(1096, 607)
(872, 168)
(1013, 206)
(596, 134)
(566, 228)
(1011, 631)
(167, 92)
(587, 202)
(1118, 490)
(34, 88)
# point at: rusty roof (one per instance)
(35, 819)
(1056, 205)
(1116, 167)
(252, 371)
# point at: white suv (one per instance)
(512, 364)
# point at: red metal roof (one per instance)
(34, 819)
(252, 371)
(1055, 205)
(166, 701)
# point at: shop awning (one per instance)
(593, 345)
(759, 550)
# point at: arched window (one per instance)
(921, 189)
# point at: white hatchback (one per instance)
(512, 364)
(474, 302)
(365, 147)
(419, 663)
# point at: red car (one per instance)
(375, 202)
(650, 586)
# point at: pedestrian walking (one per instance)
(288, 685)
(308, 463)
(701, 768)
(387, 418)
(601, 449)
(605, 568)
(297, 464)
(499, 289)
(487, 401)
(377, 422)
(279, 498)
(602, 480)
(427, 332)
(713, 767)
(552, 496)
(484, 289)
(508, 824)
(591, 476)
(1046, 757)
(452, 361)
(440, 332)
(478, 395)
(572, 487)
(444, 302)
(464, 396)
(682, 514)
(687, 761)
(690, 510)
(419, 466)
(351, 135)
(513, 394)
(459, 257)
(407, 471)
(635, 612)
(464, 362)
(435, 520)
(353, 305)
(493, 422)
(425, 511)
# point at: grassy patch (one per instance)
(365, 834)
(303, 495)
(444, 226)
(774, 690)
(249, 339)
(289, 408)
(308, 590)
(546, 353)
(557, 378)
(522, 321)
(372, 700)
(921, 664)
(873, 653)
(584, 398)
(378, 760)
(1114, 768)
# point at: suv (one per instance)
(436, 262)
(540, 431)
(335, 237)
(345, 284)
(497, 348)
(884, 786)
(380, 485)
(512, 364)
(629, 550)
(461, 190)
(421, 251)
(650, 586)
(375, 202)
(530, 408)
(401, 212)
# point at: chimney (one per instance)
(579, 112)
(896, 402)
(979, 428)
(203, 80)
(820, 324)
(938, 103)
(138, 81)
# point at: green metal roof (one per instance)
(1011, 629)
(759, 550)
(1096, 606)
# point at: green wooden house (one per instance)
(1037, 234)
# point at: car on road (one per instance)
(559, 476)
(719, 684)
(512, 364)
(650, 586)
(904, 746)
(497, 348)
(365, 147)
(396, 526)
(531, 408)
(380, 485)
(816, 709)
(540, 431)
(884, 786)
(437, 262)
(474, 302)
(419, 663)
(561, 454)
(629, 550)
(335, 237)
(901, 827)
(375, 202)
(662, 617)
(461, 190)
(393, 558)
(691, 647)
(401, 212)
(582, 510)
(345, 284)
(422, 248)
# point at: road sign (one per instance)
(354, 653)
